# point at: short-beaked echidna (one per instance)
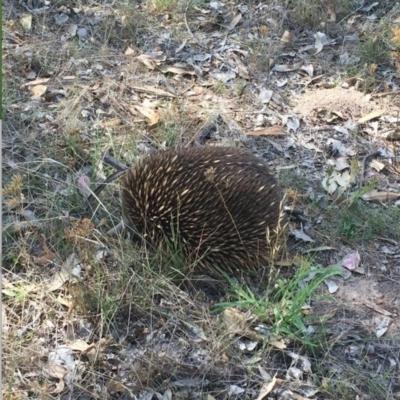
(222, 204)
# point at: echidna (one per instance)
(221, 204)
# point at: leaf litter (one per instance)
(125, 95)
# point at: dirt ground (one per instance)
(311, 87)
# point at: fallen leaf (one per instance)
(46, 258)
(278, 344)
(181, 46)
(265, 95)
(152, 90)
(331, 285)
(351, 261)
(382, 327)
(243, 71)
(377, 166)
(329, 184)
(38, 91)
(26, 22)
(378, 309)
(375, 195)
(80, 345)
(343, 179)
(110, 123)
(234, 22)
(299, 234)
(267, 131)
(59, 387)
(373, 114)
(266, 388)
(330, 9)
(321, 40)
(152, 115)
(288, 67)
(129, 51)
(341, 163)
(83, 184)
(178, 70)
(321, 248)
(287, 37)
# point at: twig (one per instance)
(113, 162)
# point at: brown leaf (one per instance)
(330, 9)
(234, 22)
(59, 387)
(152, 115)
(243, 71)
(40, 80)
(266, 388)
(80, 345)
(372, 115)
(288, 67)
(129, 51)
(268, 131)
(46, 258)
(83, 185)
(26, 22)
(152, 90)
(110, 123)
(375, 195)
(38, 91)
(178, 70)
(287, 37)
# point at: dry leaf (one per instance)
(234, 22)
(46, 258)
(38, 91)
(65, 302)
(278, 344)
(243, 71)
(83, 184)
(152, 115)
(40, 80)
(288, 67)
(26, 22)
(111, 123)
(4, 325)
(181, 46)
(375, 195)
(152, 90)
(57, 370)
(330, 9)
(268, 131)
(59, 387)
(178, 70)
(377, 165)
(287, 37)
(129, 51)
(299, 234)
(343, 179)
(331, 285)
(80, 345)
(373, 114)
(351, 261)
(266, 388)
(234, 321)
(378, 309)
(382, 327)
(341, 163)
(329, 184)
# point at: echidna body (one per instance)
(220, 203)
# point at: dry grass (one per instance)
(87, 315)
